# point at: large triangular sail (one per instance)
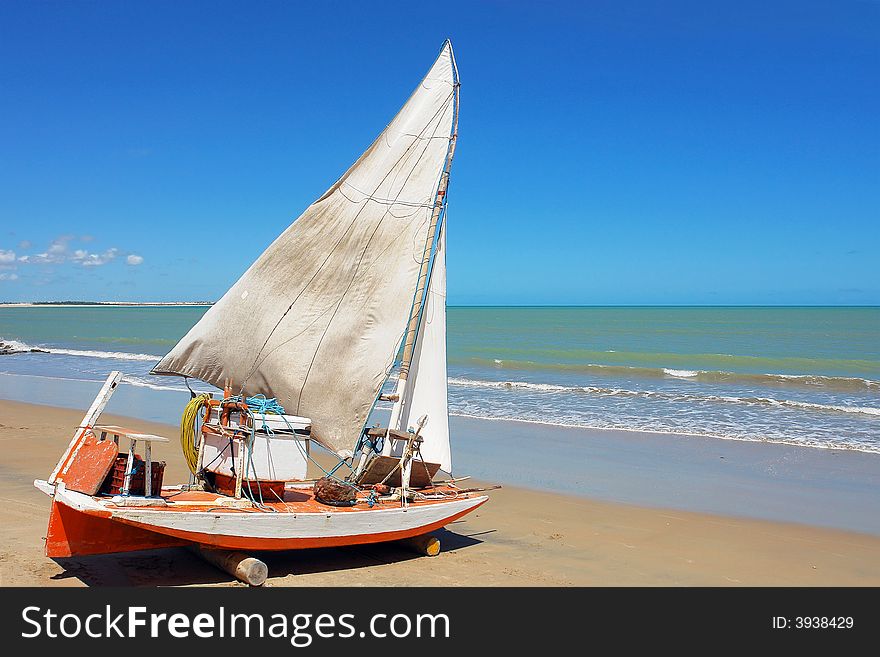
(427, 389)
(317, 320)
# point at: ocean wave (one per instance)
(15, 345)
(536, 356)
(681, 374)
(803, 441)
(696, 419)
(863, 410)
(840, 383)
(115, 355)
(509, 385)
(667, 396)
(152, 386)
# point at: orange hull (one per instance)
(73, 533)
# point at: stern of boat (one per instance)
(79, 526)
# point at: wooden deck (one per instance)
(300, 500)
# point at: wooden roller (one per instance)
(426, 544)
(247, 569)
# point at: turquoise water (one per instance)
(842, 342)
(807, 376)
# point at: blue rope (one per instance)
(259, 404)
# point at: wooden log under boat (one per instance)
(426, 544)
(243, 567)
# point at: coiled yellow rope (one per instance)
(188, 423)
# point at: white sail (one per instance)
(426, 391)
(317, 320)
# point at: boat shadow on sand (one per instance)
(180, 567)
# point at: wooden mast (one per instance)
(413, 327)
(419, 299)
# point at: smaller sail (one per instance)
(426, 390)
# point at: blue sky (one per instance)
(610, 152)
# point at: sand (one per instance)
(521, 537)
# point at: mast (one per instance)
(419, 298)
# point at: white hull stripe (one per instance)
(297, 525)
(275, 525)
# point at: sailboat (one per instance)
(302, 346)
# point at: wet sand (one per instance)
(521, 537)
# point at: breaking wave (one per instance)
(840, 383)
(669, 396)
(115, 355)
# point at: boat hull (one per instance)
(81, 525)
(73, 533)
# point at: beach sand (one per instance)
(521, 537)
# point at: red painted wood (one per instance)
(73, 533)
(90, 466)
(267, 490)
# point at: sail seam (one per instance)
(385, 201)
(439, 113)
(257, 362)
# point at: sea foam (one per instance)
(668, 396)
(116, 355)
(680, 373)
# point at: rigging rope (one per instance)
(260, 406)
(257, 405)
(188, 424)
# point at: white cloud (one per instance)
(86, 259)
(25, 244)
(96, 260)
(60, 252)
(43, 258)
(58, 247)
(8, 277)
(7, 256)
(56, 253)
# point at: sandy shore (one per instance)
(520, 537)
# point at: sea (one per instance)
(798, 375)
